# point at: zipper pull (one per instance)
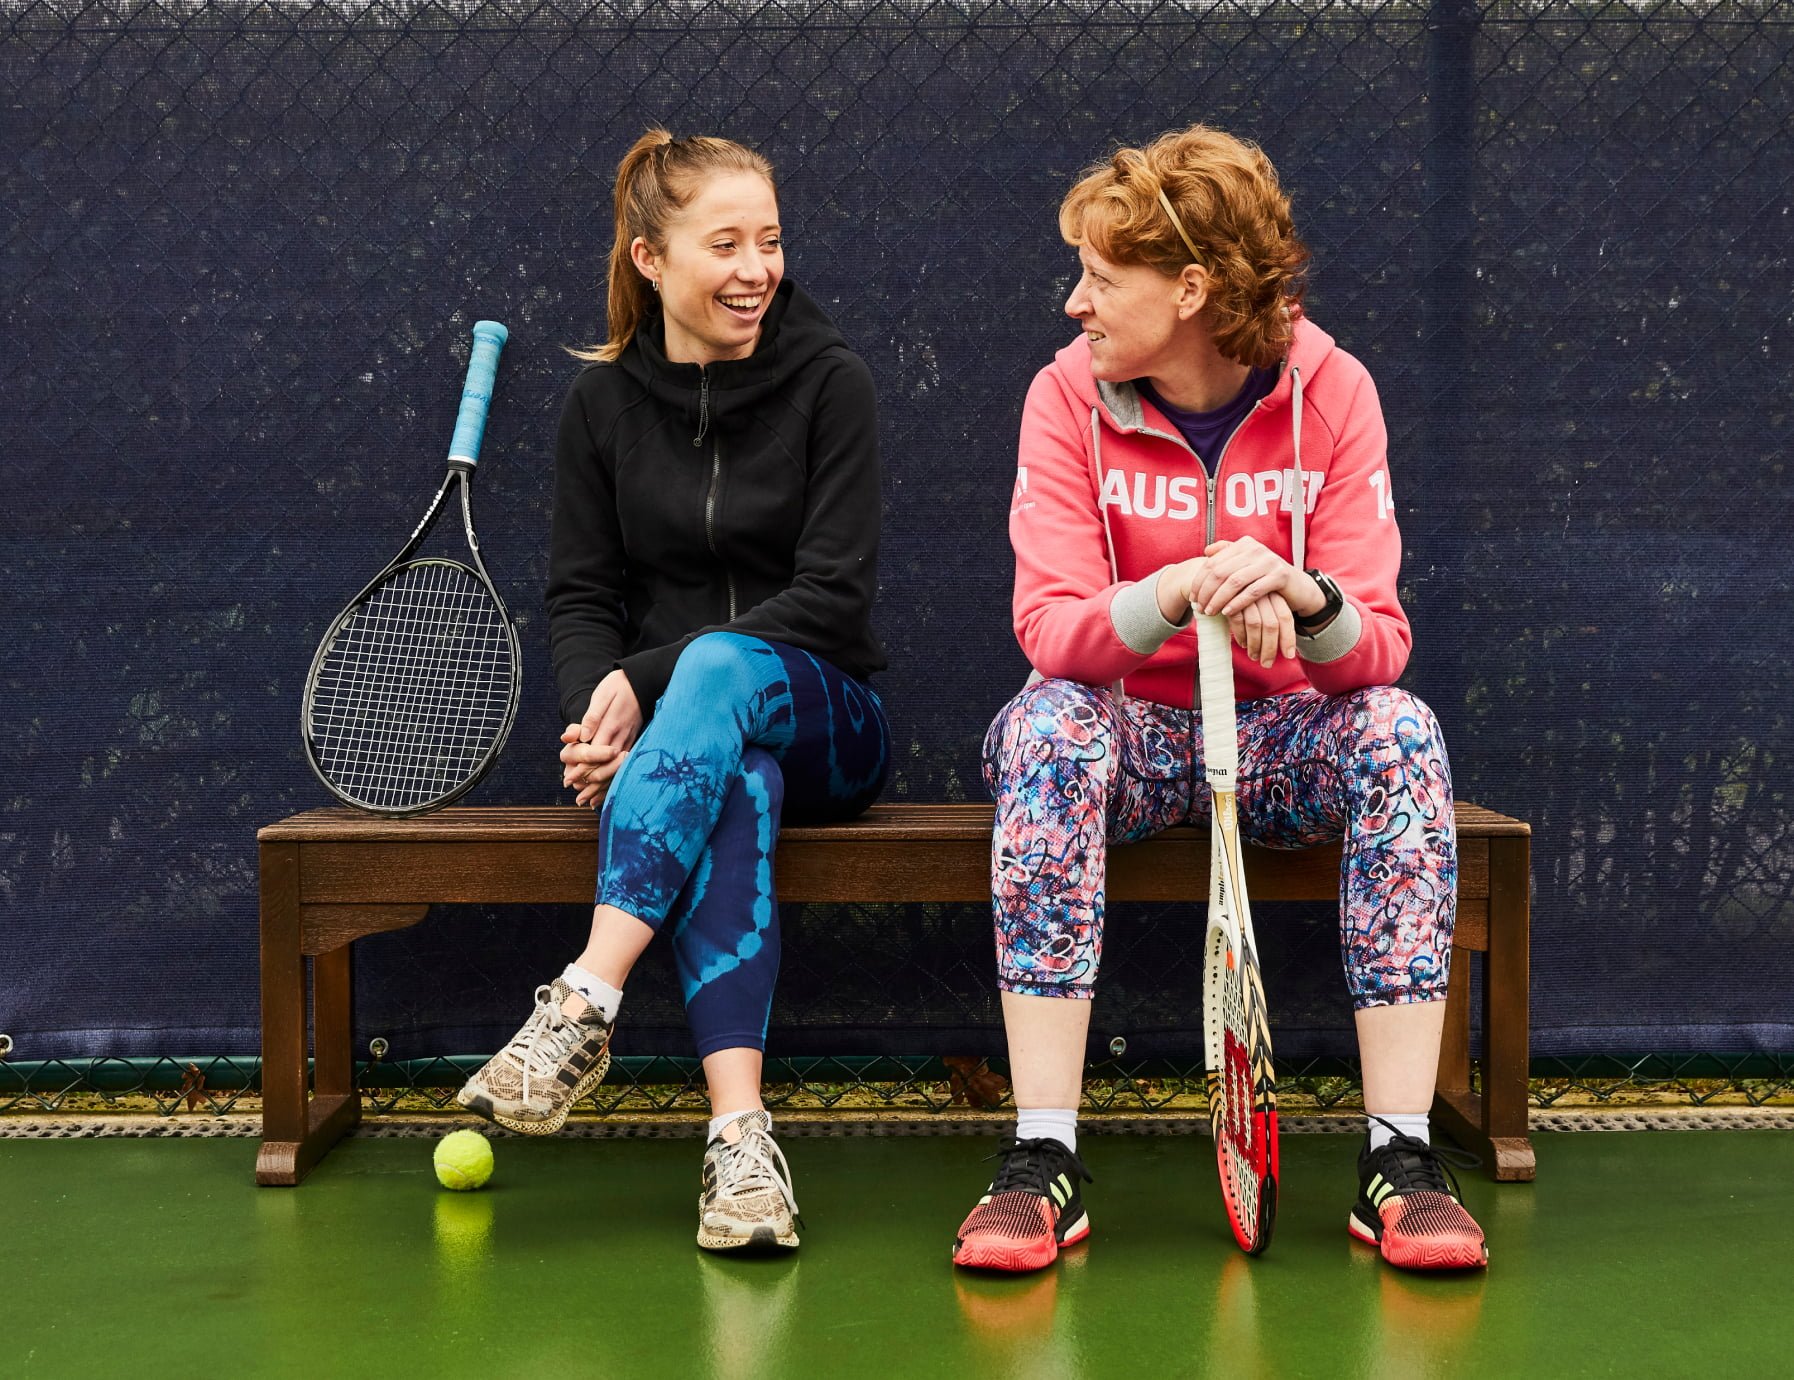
(703, 410)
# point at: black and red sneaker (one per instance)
(1032, 1208)
(1409, 1207)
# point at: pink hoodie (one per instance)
(1107, 493)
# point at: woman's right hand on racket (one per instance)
(594, 748)
(1265, 627)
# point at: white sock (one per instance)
(1049, 1123)
(598, 993)
(1408, 1124)
(718, 1122)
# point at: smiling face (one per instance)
(1131, 317)
(721, 263)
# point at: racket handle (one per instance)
(476, 394)
(1220, 732)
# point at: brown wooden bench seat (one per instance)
(330, 876)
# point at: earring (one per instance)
(654, 283)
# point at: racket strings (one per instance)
(416, 689)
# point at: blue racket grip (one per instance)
(476, 394)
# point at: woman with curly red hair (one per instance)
(1202, 445)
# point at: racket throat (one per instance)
(473, 541)
(1226, 820)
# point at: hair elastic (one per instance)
(1182, 234)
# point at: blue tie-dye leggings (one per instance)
(747, 734)
(1074, 769)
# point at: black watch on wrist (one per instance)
(1329, 611)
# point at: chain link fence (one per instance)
(242, 243)
(638, 1087)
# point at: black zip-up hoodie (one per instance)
(687, 500)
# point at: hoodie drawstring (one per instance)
(1096, 459)
(1298, 538)
(703, 409)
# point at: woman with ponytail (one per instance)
(710, 586)
(1202, 445)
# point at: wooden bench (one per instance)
(328, 877)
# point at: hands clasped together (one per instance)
(1255, 589)
(596, 746)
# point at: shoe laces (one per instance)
(1411, 1165)
(753, 1165)
(546, 1039)
(1028, 1165)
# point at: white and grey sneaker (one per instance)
(747, 1201)
(533, 1082)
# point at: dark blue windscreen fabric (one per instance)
(244, 245)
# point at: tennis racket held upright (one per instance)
(415, 685)
(1241, 1083)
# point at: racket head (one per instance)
(413, 689)
(1241, 1085)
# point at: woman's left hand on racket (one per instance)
(1264, 626)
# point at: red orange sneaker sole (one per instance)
(1461, 1254)
(987, 1251)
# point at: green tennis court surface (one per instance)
(1634, 1254)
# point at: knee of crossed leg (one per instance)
(715, 669)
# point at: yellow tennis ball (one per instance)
(463, 1160)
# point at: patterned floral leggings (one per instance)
(748, 734)
(1075, 768)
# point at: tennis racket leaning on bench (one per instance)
(1236, 1028)
(415, 686)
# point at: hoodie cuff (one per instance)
(648, 673)
(1134, 611)
(1333, 641)
(573, 708)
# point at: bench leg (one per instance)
(298, 1131)
(1494, 1125)
(1457, 1108)
(1454, 1046)
(336, 1099)
(1506, 1017)
(283, 1018)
